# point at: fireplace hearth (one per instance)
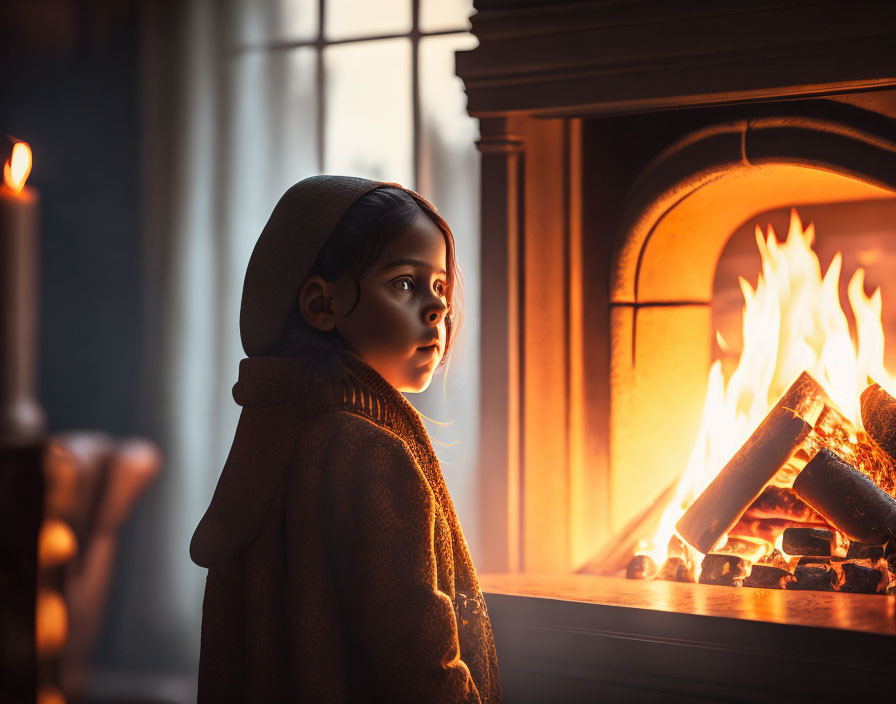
(581, 638)
(624, 145)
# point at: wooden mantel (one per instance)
(581, 638)
(621, 56)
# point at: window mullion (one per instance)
(415, 89)
(289, 45)
(321, 87)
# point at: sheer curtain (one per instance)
(241, 100)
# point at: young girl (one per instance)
(338, 571)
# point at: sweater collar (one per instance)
(275, 392)
(321, 377)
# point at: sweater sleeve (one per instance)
(383, 513)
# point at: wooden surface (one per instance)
(584, 638)
(854, 612)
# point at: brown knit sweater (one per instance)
(338, 571)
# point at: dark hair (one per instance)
(355, 244)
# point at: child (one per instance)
(338, 571)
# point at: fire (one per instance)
(792, 321)
(17, 167)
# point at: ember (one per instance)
(769, 577)
(641, 567)
(727, 570)
(859, 579)
(816, 577)
(676, 569)
(812, 541)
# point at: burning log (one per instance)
(640, 567)
(879, 417)
(805, 398)
(768, 577)
(813, 541)
(860, 580)
(676, 569)
(724, 570)
(860, 551)
(815, 577)
(742, 480)
(876, 446)
(849, 501)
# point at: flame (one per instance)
(17, 167)
(792, 321)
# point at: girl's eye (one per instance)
(440, 288)
(404, 283)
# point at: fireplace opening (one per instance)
(688, 224)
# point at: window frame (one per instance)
(320, 43)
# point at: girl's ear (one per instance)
(316, 303)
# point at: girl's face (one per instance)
(398, 325)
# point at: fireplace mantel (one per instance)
(581, 638)
(611, 56)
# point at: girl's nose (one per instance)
(434, 313)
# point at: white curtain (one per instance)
(228, 128)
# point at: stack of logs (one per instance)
(805, 474)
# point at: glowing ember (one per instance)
(792, 322)
(17, 167)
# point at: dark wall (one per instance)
(69, 87)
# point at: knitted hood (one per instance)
(287, 248)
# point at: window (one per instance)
(373, 80)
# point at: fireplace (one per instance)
(679, 214)
(625, 145)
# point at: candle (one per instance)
(21, 416)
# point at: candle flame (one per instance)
(17, 167)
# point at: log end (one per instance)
(879, 417)
(847, 499)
